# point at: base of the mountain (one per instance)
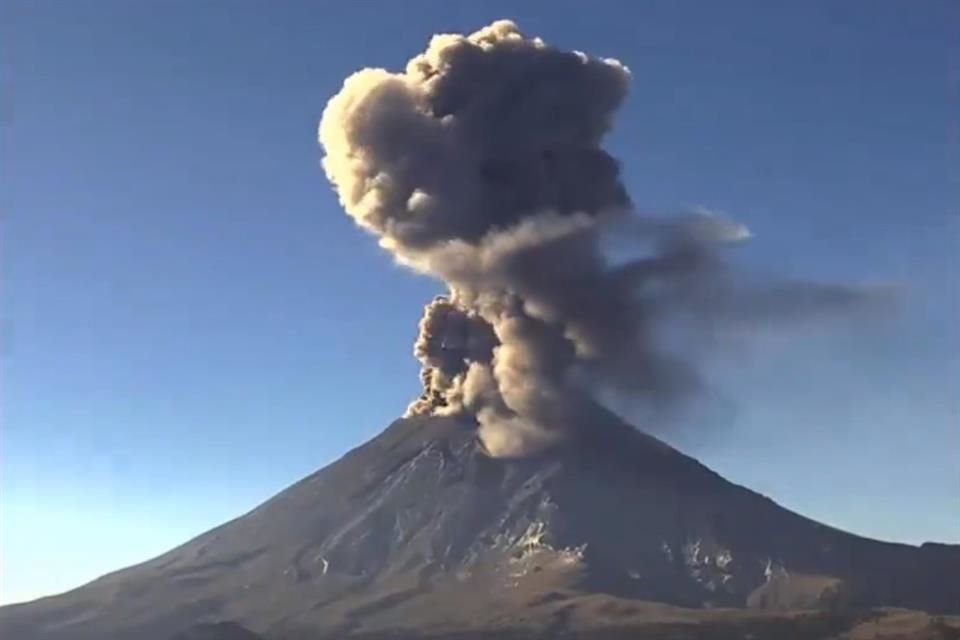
(591, 620)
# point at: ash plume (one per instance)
(481, 165)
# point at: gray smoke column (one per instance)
(481, 165)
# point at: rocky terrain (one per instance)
(419, 533)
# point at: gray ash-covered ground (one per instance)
(420, 529)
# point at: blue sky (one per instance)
(177, 276)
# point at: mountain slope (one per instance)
(419, 528)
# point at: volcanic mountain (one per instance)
(420, 532)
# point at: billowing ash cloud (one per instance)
(481, 164)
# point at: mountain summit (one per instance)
(421, 529)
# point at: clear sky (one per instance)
(190, 323)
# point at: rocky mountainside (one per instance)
(419, 529)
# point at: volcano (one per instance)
(420, 533)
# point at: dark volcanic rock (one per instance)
(419, 529)
(217, 631)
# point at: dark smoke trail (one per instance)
(481, 165)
